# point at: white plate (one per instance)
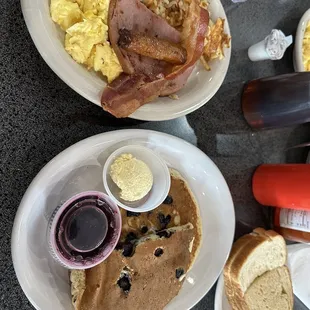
(298, 61)
(221, 301)
(46, 284)
(49, 40)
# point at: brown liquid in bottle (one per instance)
(277, 101)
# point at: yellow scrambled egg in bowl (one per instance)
(86, 40)
(306, 48)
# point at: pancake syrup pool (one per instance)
(84, 230)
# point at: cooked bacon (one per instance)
(113, 37)
(152, 47)
(194, 31)
(127, 93)
(137, 18)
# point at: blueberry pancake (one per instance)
(179, 208)
(148, 267)
(147, 279)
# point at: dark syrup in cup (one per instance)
(85, 230)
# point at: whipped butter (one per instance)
(132, 176)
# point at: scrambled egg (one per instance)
(65, 13)
(97, 7)
(106, 61)
(86, 40)
(83, 36)
(215, 42)
(306, 48)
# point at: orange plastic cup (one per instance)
(283, 186)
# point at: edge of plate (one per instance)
(218, 300)
(298, 58)
(202, 102)
(27, 5)
(18, 215)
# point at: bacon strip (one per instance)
(127, 93)
(152, 47)
(136, 17)
(113, 37)
(193, 35)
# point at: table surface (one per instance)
(42, 116)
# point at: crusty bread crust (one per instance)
(241, 250)
(291, 294)
(237, 257)
(236, 249)
(267, 233)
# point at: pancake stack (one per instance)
(148, 267)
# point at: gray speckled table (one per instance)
(41, 116)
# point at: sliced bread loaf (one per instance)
(251, 256)
(271, 291)
(231, 292)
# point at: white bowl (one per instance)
(49, 40)
(46, 284)
(298, 59)
(161, 179)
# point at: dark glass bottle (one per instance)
(277, 101)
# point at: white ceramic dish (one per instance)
(161, 179)
(221, 301)
(49, 38)
(46, 284)
(298, 62)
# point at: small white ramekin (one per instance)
(161, 179)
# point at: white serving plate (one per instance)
(46, 284)
(221, 301)
(298, 62)
(49, 40)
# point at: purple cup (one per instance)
(84, 230)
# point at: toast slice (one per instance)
(272, 290)
(251, 256)
(235, 251)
